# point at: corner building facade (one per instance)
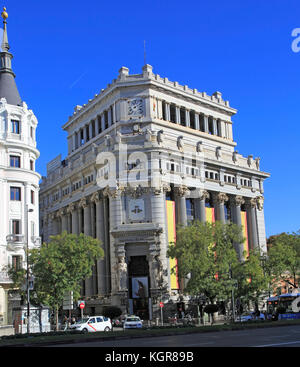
(144, 155)
(19, 183)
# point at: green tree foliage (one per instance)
(60, 266)
(208, 262)
(284, 258)
(205, 254)
(251, 277)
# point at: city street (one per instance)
(287, 336)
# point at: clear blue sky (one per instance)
(67, 51)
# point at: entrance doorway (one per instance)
(138, 274)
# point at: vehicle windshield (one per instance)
(83, 321)
(133, 319)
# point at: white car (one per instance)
(93, 324)
(132, 322)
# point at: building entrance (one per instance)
(138, 274)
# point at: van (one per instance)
(93, 324)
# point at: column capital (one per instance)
(96, 197)
(222, 197)
(61, 212)
(204, 195)
(238, 200)
(113, 192)
(181, 190)
(136, 191)
(71, 207)
(83, 203)
(250, 202)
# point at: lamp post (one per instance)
(27, 269)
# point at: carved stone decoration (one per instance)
(235, 156)
(160, 137)
(180, 143)
(113, 192)
(95, 148)
(107, 140)
(71, 208)
(136, 191)
(95, 198)
(222, 197)
(239, 200)
(257, 163)
(253, 202)
(181, 190)
(218, 152)
(118, 137)
(122, 273)
(250, 160)
(61, 212)
(260, 202)
(204, 195)
(199, 147)
(156, 270)
(83, 203)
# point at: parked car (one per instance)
(93, 324)
(132, 322)
(250, 316)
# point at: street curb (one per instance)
(150, 335)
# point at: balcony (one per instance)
(15, 242)
(4, 278)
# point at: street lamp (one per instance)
(27, 269)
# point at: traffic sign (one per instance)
(161, 304)
(82, 305)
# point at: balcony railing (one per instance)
(15, 242)
(13, 238)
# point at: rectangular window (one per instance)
(15, 193)
(32, 197)
(16, 262)
(15, 126)
(31, 131)
(15, 161)
(31, 165)
(16, 227)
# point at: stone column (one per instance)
(115, 218)
(180, 193)
(99, 233)
(87, 231)
(221, 199)
(215, 126)
(200, 212)
(236, 202)
(74, 217)
(205, 123)
(64, 219)
(252, 223)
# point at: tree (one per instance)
(252, 279)
(284, 258)
(205, 254)
(60, 265)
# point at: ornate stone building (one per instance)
(144, 154)
(19, 182)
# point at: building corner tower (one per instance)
(19, 183)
